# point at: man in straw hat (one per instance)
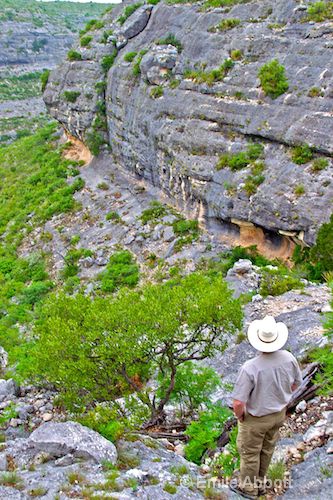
(261, 394)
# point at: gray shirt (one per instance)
(264, 382)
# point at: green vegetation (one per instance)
(276, 471)
(130, 56)
(237, 161)
(204, 432)
(44, 78)
(20, 87)
(170, 488)
(187, 232)
(301, 154)
(7, 414)
(114, 216)
(157, 92)
(136, 66)
(254, 179)
(319, 164)
(74, 55)
(278, 281)
(170, 39)
(156, 211)
(95, 140)
(225, 25)
(71, 95)
(325, 356)
(315, 92)
(85, 40)
(22, 126)
(215, 4)
(67, 16)
(209, 77)
(273, 79)
(11, 479)
(93, 24)
(225, 464)
(105, 36)
(299, 190)
(236, 55)
(120, 271)
(133, 342)
(107, 61)
(320, 11)
(34, 188)
(128, 11)
(194, 384)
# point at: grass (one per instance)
(315, 92)
(157, 92)
(20, 87)
(319, 164)
(215, 4)
(39, 491)
(238, 161)
(226, 25)
(85, 40)
(320, 11)
(155, 211)
(276, 471)
(127, 12)
(74, 55)
(11, 479)
(299, 190)
(301, 154)
(170, 488)
(170, 39)
(136, 67)
(71, 95)
(130, 56)
(75, 478)
(180, 470)
(236, 54)
(255, 178)
(273, 79)
(107, 61)
(210, 77)
(22, 126)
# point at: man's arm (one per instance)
(239, 409)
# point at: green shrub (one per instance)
(85, 40)
(93, 24)
(204, 432)
(127, 12)
(105, 37)
(11, 479)
(315, 92)
(275, 282)
(156, 211)
(136, 66)
(184, 226)
(98, 349)
(273, 79)
(170, 39)
(256, 178)
(153, 2)
(44, 78)
(107, 61)
(130, 56)
(225, 464)
(320, 11)
(276, 471)
(157, 92)
(236, 55)
(101, 86)
(227, 24)
(113, 215)
(95, 141)
(209, 77)
(215, 4)
(193, 386)
(170, 488)
(301, 154)
(71, 95)
(299, 190)
(120, 271)
(321, 253)
(238, 161)
(73, 55)
(319, 164)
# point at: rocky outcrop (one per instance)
(164, 126)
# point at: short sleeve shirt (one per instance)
(264, 382)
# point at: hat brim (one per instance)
(281, 339)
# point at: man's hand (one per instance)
(239, 409)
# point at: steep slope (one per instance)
(170, 115)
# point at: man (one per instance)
(262, 391)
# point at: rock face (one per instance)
(59, 439)
(170, 129)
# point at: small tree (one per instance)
(98, 349)
(273, 79)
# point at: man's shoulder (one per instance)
(284, 354)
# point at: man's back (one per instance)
(265, 382)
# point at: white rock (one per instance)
(180, 450)
(314, 432)
(46, 417)
(8, 387)
(301, 406)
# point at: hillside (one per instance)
(179, 187)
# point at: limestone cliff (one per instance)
(173, 107)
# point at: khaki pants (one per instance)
(256, 442)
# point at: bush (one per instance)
(227, 24)
(204, 432)
(73, 55)
(238, 161)
(227, 462)
(156, 92)
(320, 11)
(93, 24)
(275, 282)
(194, 385)
(127, 12)
(273, 79)
(120, 271)
(85, 40)
(95, 350)
(130, 56)
(71, 95)
(94, 142)
(44, 78)
(319, 164)
(236, 55)
(299, 190)
(156, 211)
(105, 37)
(301, 154)
(321, 253)
(170, 39)
(209, 77)
(136, 66)
(107, 61)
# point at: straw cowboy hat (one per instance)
(266, 335)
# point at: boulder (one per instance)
(8, 388)
(3, 358)
(60, 439)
